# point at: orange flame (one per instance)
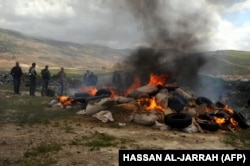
(228, 110)
(157, 79)
(89, 89)
(136, 84)
(153, 105)
(149, 104)
(220, 121)
(208, 109)
(233, 122)
(112, 90)
(65, 100)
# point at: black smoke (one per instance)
(180, 68)
(175, 39)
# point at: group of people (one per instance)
(118, 82)
(90, 79)
(17, 73)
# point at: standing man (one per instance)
(16, 73)
(86, 78)
(92, 79)
(32, 74)
(62, 79)
(45, 80)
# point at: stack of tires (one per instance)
(178, 120)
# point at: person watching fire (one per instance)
(62, 80)
(32, 75)
(16, 73)
(45, 80)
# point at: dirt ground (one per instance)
(16, 140)
(71, 135)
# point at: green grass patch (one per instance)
(98, 140)
(40, 155)
(29, 110)
(240, 139)
(43, 148)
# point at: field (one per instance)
(33, 134)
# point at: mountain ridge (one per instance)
(17, 46)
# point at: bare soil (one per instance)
(70, 134)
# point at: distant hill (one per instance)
(227, 62)
(16, 46)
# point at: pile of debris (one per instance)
(164, 107)
(6, 79)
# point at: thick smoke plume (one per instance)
(175, 35)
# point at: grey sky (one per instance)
(112, 23)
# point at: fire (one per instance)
(90, 90)
(112, 90)
(233, 122)
(208, 109)
(220, 121)
(157, 79)
(136, 84)
(65, 100)
(149, 104)
(228, 110)
(153, 104)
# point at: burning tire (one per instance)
(103, 92)
(241, 120)
(204, 100)
(208, 125)
(178, 120)
(220, 114)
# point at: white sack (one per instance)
(52, 102)
(104, 116)
(194, 127)
(183, 94)
(146, 118)
(122, 99)
(161, 98)
(143, 91)
(161, 126)
(95, 106)
(192, 111)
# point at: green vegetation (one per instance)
(240, 139)
(43, 148)
(98, 140)
(239, 57)
(40, 155)
(29, 110)
(233, 62)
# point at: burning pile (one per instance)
(173, 58)
(158, 103)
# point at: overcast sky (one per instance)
(215, 24)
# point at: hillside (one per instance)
(227, 62)
(16, 46)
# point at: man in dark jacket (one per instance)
(32, 75)
(62, 81)
(16, 73)
(92, 78)
(45, 80)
